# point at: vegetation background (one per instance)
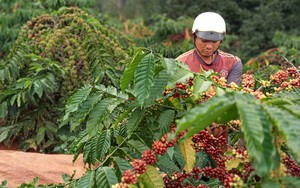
(251, 25)
(85, 76)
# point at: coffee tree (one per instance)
(14, 13)
(168, 127)
(53, 55)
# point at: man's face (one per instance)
(206, 48)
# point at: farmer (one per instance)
(209, 30)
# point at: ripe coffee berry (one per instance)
(149, 157)
(128, 177)
(169, 143)
(120, 185)
(159, 147)
(139, 166)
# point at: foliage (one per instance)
(14, 13)
(128, 8)
(53, 55)
(264, 20)
(284, 57)
(55, 5)
(34, 183)
(159, 96)
(290, 46)
(167, 36)
(254, 22)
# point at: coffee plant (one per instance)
(53, 55)
(168, 127)
(14, 13)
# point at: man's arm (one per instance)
(235, 74)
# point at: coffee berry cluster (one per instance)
(291, 166)
(181, 90)
(139, 166)
(206, 142)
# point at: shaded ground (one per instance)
(19, 167)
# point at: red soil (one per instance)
(19, 167)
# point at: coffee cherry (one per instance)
(159, 147)
(139, 166)
(128, 177)
(149, 157)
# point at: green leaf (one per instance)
(4, 183)
(120, 165)
(138, 146)
(200, 85)
(160, 82)
(143, 78)
(171, 65)
(268, 147)
(78, 144)
(87, 180)
(287, 125)
(188, 153)
(96, 147)
(291, 182)
(128, 74)
(112, 91)
(96, 116)
(270, 183)
(103, 144)
(84, 110)
(213, 183)
(3, 110)
(165, 120)
(89, 150)
(251, 127)
(4, 134)
(3, 74)
(178, 71)
(151, 178)
(178, 158)
(99, 113)
(134, 121)
(51, 126)
(13, 98)
(201, 116)
(181, 75)
(219, 91)
(38, 89)
(230, 114)
(28, 125)
(288, 95)
(40, 135)
(75, 101)
(166, 164)
(105, 177)
(276, 101)
(293, 109)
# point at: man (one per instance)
(209, 30)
